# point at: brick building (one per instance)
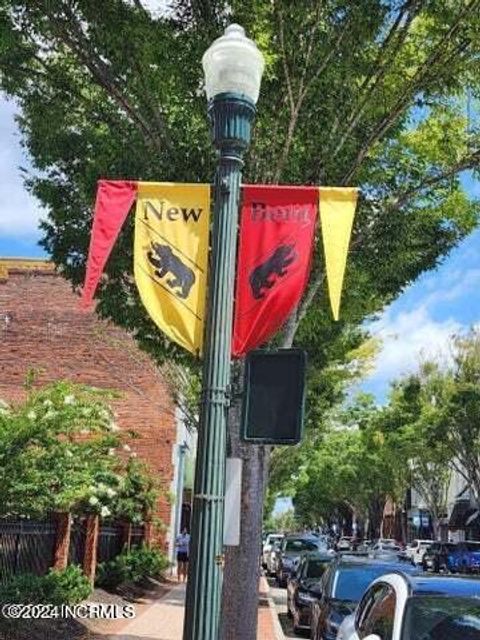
(42, 327)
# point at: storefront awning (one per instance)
(460, 514)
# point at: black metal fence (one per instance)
(137, 537)
(111, 540)
(28, 546)
(76, 551)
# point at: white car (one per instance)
(271, 558)
(345, 543)
(385, 548)
(401, 607)
(347, 628)
(416, 550)
(268, 546)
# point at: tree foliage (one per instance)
(429, 428)
(365, 92)
(59, 451)
(362, 93)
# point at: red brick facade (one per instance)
(42, 327)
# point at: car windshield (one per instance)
(351, 582)
(315, 568)
(292, 546)
(441, 618)
(473, 546)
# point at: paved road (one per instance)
(279, 597)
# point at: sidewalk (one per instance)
(163, 619)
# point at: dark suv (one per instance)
(292, 548)
(302, 588)
(343, 584)
(435, 557)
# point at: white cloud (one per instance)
(453, 286)
(19, 211)
(409, 337)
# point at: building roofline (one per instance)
(25, 265)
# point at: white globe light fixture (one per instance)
(233, 64)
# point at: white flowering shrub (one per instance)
(58, 452)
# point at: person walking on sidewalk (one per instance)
(182, 544)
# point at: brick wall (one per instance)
(41, 326)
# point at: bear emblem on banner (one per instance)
(165, 262)
(263, 276)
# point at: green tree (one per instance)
(420, 459)
(460, 428)
(366, 93)
(54, 452)
(59, 453)
(344, 470)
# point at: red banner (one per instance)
(276, 237)
(114, 200)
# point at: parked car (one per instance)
(419, 551)
(473, 556)
(342, 586)
(303, 587)
(292, 548)
(385, 550)
(268, 545)
(364, 546)
(404, 607)
(464, 557)
(416, 549)
(271, 558)
(345, 543)
(435, 557)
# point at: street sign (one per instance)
(274, 401)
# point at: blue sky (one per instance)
(420, 322)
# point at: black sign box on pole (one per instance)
(274, 400)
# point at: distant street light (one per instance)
(233, 69)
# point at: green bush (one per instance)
(68, 586)
(24, 588)
(133, 565)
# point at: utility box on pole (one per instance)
(274, 401)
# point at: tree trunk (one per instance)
(242, 565)
(404, 523)
(376, 517)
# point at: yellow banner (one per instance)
(337, 208)
(171, 257)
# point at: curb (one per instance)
(267, 598)
(279, 635)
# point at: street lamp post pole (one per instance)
(233, 68)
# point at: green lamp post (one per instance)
(233, 69)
